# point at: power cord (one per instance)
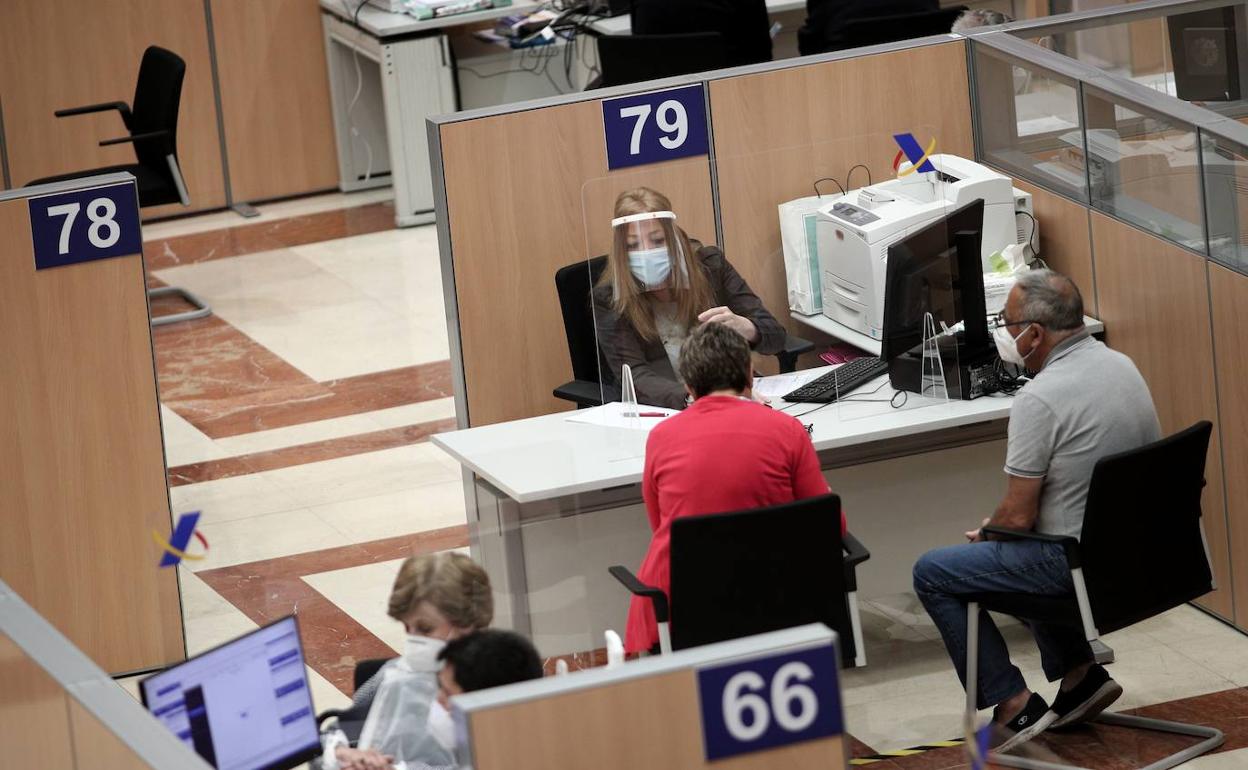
(1031, 240)
(862, 166)
(828, 179)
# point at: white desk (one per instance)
(840, 331)
(552, 503)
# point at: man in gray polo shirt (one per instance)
(1085, 402)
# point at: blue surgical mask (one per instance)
(651, 266)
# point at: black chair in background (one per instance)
(574, 284)
(152, 130)
(749, 572)
(625, 59)
(1142, 552)
(743, 25)
(876, 30)
(825, 28)
(351, 719)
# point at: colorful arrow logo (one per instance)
(913, 152)
(175, 548)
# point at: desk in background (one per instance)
(552, 503)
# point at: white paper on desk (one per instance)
(777, 385)
(613, 415)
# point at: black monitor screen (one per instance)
(936, 270)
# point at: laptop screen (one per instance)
(244, 705)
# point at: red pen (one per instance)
(651, 414)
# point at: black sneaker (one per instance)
(1029, 723)
(1087, 699)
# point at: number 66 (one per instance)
(794, 706)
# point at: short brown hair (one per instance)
(453, 583)
(714, 357)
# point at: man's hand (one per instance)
(362, 759)
(722, 315)
(977, 535)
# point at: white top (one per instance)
(870, 344)
(382, 24)
(547, 457)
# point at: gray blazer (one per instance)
(653, 376)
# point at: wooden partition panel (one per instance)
(1154, 299)
(67, 53)
(528, 193)
(82, 470)
(777, 132)
(35, 728)
(1229, 295)
(1065, 239)
(519, 737)
(279, 132)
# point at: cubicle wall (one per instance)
(272, 135)
(1138, 237)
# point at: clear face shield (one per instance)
(654, 249)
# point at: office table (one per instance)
(552, 503)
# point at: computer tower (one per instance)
(964, 379)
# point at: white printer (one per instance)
(854, 231)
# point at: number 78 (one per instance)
(670, 117)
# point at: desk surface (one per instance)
(546, 457)
(862, 341)
(383, 24)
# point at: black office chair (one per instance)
(1142, 552)
(744, 25)
(625, 59)
(351, 719)
(876, 30)
(826, 25)
(595, 383)
(152, 130)
(749, 572)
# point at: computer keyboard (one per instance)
(839, 381)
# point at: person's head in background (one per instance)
(489, 658)
(985, 17)
(438, 597)
(651, 259)
(715, 360)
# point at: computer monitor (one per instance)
(937, 270)
(1204, 46)
(244, 705)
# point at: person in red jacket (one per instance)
(724, 453)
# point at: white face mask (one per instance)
(1007, 345)
(651, 266)
(421, 652)
(442, 727)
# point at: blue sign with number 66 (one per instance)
(769, 702)
(656, 126)
(84, 225)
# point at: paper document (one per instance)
(777, 385)
(613, 415)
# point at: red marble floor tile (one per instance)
(273, 588)
(160, 253)
(286, 457)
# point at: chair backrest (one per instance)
(743, 25)
(157, 97)
(876, 30)
(636, 58)
(574, 283)
(743, 573)
(1142, 546)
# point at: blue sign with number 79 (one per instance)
(655, 126)
(84, 225)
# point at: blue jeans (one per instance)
(944, 575)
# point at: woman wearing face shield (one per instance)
(657, 286)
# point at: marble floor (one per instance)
(297, 420)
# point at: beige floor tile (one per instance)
(363, 475)
(362, 593)
(1227, 760)
(266, 537)
(432, 506)
(231, 499)
(184, 443)
(399, 268)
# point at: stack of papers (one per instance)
(613, 415)
(777, 385)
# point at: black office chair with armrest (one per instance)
(749, 572)
(152, 130)
(876, 30)
(743, 25)
(1142, 552)
(595, 383)
(625, 59)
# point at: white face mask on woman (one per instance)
(1007, 345)
(650, 266)
(421, 652)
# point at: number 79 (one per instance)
(670, 117)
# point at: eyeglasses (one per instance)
(999, 321)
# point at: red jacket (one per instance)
(721, 454)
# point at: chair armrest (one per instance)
(1069, 544)
(855, 553)
(794, 346)
(638, 588)
(580, 392)
(136, 137)
(121, 107)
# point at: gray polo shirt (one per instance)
(1087, 402)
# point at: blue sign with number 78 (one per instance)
(655, 126)
(84, 225)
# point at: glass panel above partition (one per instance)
(1029, 121)
(1225, 164)
(1144, 168)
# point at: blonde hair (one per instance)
(453, 583)
(629, 296)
